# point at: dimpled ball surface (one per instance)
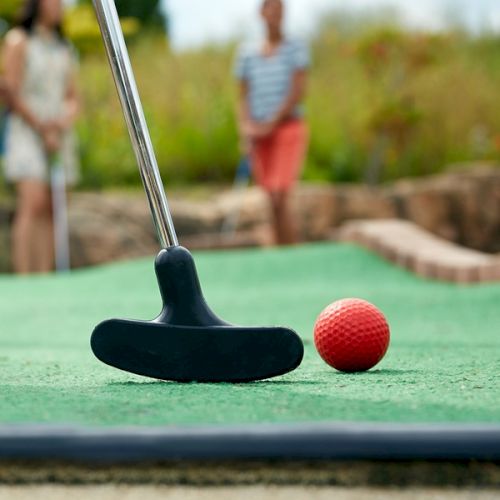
(351, 335)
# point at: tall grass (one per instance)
(189, 100)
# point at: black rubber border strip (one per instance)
(333, 441)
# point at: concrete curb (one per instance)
(407, 245)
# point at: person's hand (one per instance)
(258, 130)
(247, 133)
(58, 125)
(247, 130)
(265, 129)
(51, 139)
(246, 146)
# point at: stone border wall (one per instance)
(462, 207)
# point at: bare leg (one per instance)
(44, 234)
(21, 230)
(30, 241)
(284, 227)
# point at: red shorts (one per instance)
(277, 160)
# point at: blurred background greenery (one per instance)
(384, 102)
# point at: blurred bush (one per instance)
(9, 9)
(380, 100)
(383, 103)
(188, 102)
(148, 12)
(80, 25)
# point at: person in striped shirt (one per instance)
(272, 82)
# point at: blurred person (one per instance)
(272, 83)
(39, 72)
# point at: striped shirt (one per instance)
(269, 78)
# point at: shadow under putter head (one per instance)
(187, 342)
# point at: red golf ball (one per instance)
(351, 335)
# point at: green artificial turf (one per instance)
(442, 365)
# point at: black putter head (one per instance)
(188, 342)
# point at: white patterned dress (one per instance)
(48, 68)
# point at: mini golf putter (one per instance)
(187, 342)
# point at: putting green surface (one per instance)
(442, 366)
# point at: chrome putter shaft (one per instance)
(187, 342)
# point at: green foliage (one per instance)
(80, 25)
(391, 58)
(9, 9)
(430, 100)
(190, 116)
(148, 12)
(443, 110)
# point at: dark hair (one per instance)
(29, 14)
